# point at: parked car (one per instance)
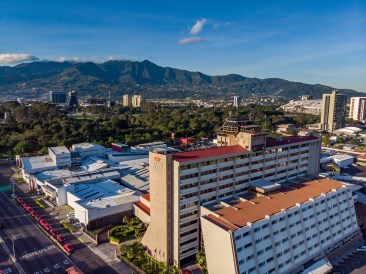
(362, 248)
(53, 232)
(47, 226)
(19, 200)
(186, 271)
(14, 196)
(37, 217)
(68, 247)
(33, 214)
(60, 238)
(41, 221)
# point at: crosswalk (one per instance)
(100, 254)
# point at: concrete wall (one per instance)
(218, 248)
(158, 235)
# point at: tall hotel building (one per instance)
(183, 184)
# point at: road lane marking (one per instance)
(37, 252)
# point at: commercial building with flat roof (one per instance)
(89, 150)
(181, 182)
(281, 231)
(101, 203)
(61, 156)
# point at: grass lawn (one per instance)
(19, 181)
(4, 155)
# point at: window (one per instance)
(261, 264)
(240, 249)
(241, 262)
(246, 233)
(260, 252)
(247, 245)
(251, 270)
(250, 257)
(257, 229)
(237, 237)
(269, 260)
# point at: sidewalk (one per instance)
(8, 252)
(106, 252)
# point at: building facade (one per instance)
(58, 97)
(137, 101)
(279, 232)
(333, 111)
(126, 100)
(357, 110)
(181, 182)
(304, 106)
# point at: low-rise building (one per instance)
(304, 106)
(89, 150)
(101, 204)
(61, 156)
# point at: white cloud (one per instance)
(16, 58)
(198, 26)
(114, 58)
(79, 59)
(190, 40)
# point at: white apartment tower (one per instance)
(136, 101)
(357, 110)
(236, 101)
(180, 183)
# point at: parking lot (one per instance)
(354, 264)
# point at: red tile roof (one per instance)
(362, 157)
(146, 196)
(238, 215)
(143, 207)
(207, 153)
(273, 142)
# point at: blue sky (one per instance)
(307, 41)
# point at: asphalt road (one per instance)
(5, 264)
(34, 250)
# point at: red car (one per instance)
(53, 232)
(37, 217)
(24, 205)
(19, 200)
(41, 221)
(68, 247)
(33, 214)
(60, 238)
(47, 226)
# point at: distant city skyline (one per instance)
(306, 41)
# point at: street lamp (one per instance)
(12, 238)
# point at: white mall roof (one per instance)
(86, 146)
(104, 194)
(59, 150)
(37, 164)
(320, 267)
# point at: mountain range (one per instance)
(123, 76)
